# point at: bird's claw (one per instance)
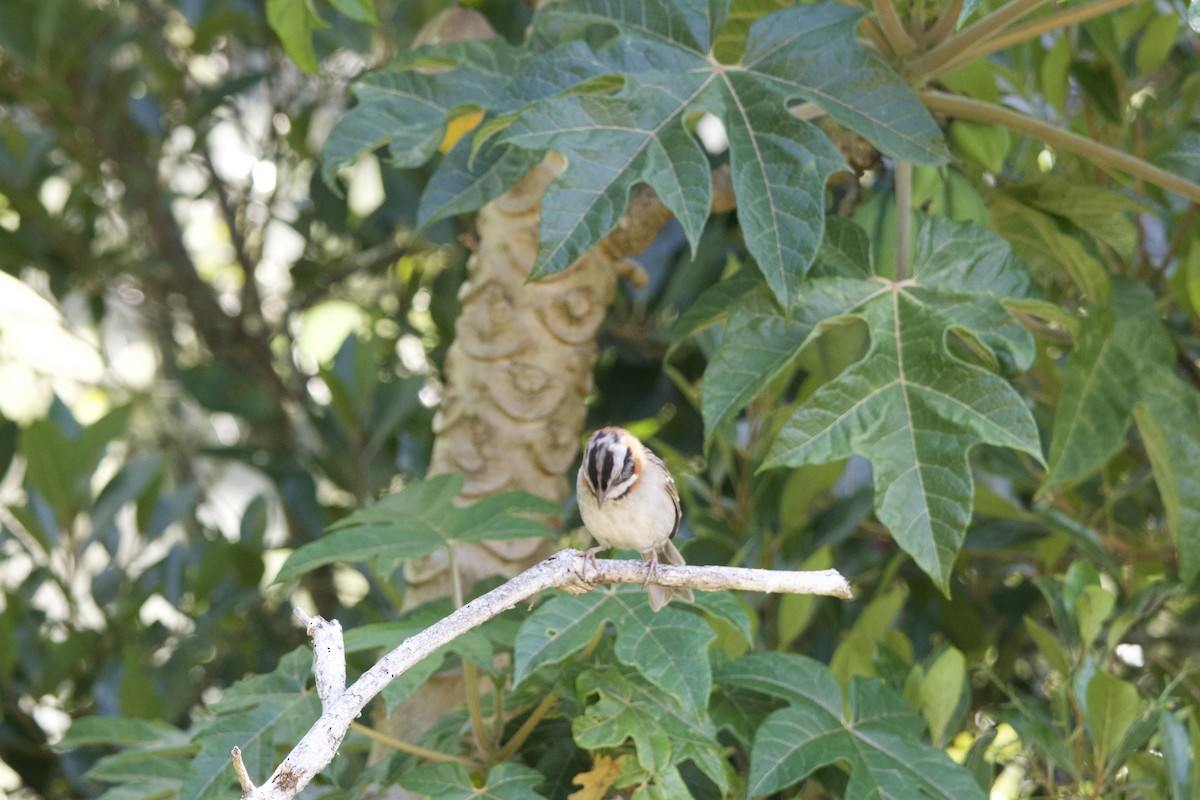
(589, 557)
(651, 568)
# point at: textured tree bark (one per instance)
(516, 378)
(521, 366)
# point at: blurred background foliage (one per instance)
(207, 356)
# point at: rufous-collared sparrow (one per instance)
(628, 500)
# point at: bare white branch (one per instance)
(239, 769)
(329, 656)
(563, 570)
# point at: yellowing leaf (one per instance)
(618, 133)
(459, 126)
(597, 780)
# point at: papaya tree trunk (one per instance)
(516, 378)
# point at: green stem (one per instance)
(409, 747)
(929, 62)
(904, 207)
(893, 29)
(1101, 155)
(522, 733)
(478, 726)
(470, 673)
(876, 41)
(1033, 30)
(945, 23)
(870, 28)
(916, 21)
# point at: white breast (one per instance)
(640, 520)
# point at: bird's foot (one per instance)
(589, 558)
(651, 567)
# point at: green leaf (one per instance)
(464, 182)
(641, 134)
(738, 710)
(1120, 346)
(1081, 535)
(811, 51)
(664, 732)
(453, 782)
(987, 145)
(794, 679)
(796, 610)
(880, 744)
(1189, 273)
(1049, 646)
(612, 143)
(1166, 419)
(717, 303)
(142, 768)
(130, 483)
(51, 467)
(419, 520)
(728, 608)
(472, 645)
(1112, 707)
(257, 715)
(1099, 86)
(874, 626)
(60, 458)
(1080, 575)
(621, 115)
(1158, 38)
(1176, 747)
(294, 22)
(1092, 609)
(846, 249)
(1040, 733)
(407, 106)
(357, 10)
(669, 648)
(8, 444)
(1102, 214)
(122, 732)
(758, 345)
(1040, 243)
(150, 789)
(913, 407)
(941, 693)
(1052, 74)
(730, 41)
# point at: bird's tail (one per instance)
(661, 595)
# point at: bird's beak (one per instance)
(600, 495)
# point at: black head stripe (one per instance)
(608, 461)
(598, 461)
(591, 467)
(606, 466)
